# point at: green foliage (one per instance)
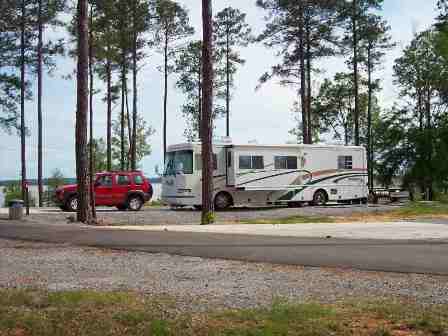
(13, 191)
(208, 218)
(412, 139)
(144, 133)
(189, 69)
(230, 32)
(10, 57)
(56, 179)
(334, 107)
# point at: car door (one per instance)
(121, 188)
(103, 190)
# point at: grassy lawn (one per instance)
(101, 313)
(413, 210)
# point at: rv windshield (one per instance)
(180, 162)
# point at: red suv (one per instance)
(124, 190)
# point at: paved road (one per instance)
(379, 255)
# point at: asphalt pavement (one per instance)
(407, 256)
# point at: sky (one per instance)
(264, 115)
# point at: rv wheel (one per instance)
(223, 201)
(320, 198)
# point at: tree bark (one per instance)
(165, 94)
(369, 117)
(91, 92)
(22, 100)
(207, 109)
(355, 68)
(123, 120)
(109, 113)
(39, 106)
(128, 118)
(308, 86)
(228, 84)
(133, 143)
(81, 112)
(303, 77)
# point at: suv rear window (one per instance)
(138, 180)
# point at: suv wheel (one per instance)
(72, 204)
(135, 203)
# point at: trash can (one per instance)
(16, 209)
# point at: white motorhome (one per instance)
(253, 174)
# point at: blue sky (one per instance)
(264, 115)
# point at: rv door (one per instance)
(230, 166)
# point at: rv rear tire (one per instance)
(320, 197)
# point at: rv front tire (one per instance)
(223, 201)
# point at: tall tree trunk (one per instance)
(133, 143)
(308, 86)
(303, 77)
(429, 147)
(81, 112)
(22, 100)
(109, 113)
(91, 92)
(200, 103)
(39, 106)
(228, 83)
(123, 119)
(355, 68)
(130, 128)
(369, 116)
(165, 93)
(207, 110)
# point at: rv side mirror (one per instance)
(157, 169)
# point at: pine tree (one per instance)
(189, 67)
(82, 111)
(207, 110)
(353, 14)
(9, 79)
(304, 32)
(376, 42)
(231, 31)
(171, 27)
(47, 15)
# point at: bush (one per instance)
(14, 191)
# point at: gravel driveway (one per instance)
(201, 284)
(167, 216)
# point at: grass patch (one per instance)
(291, 220)
(413, 210)
(100, 313)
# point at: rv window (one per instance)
(198, 163)
(229, 159)
(245, 162)
(345, 162)
(251, 162)
(180, 161)
(257, 162)
(285, 162)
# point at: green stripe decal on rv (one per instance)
(291, 194)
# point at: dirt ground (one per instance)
(167, 216)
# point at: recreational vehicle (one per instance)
(253, 174)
